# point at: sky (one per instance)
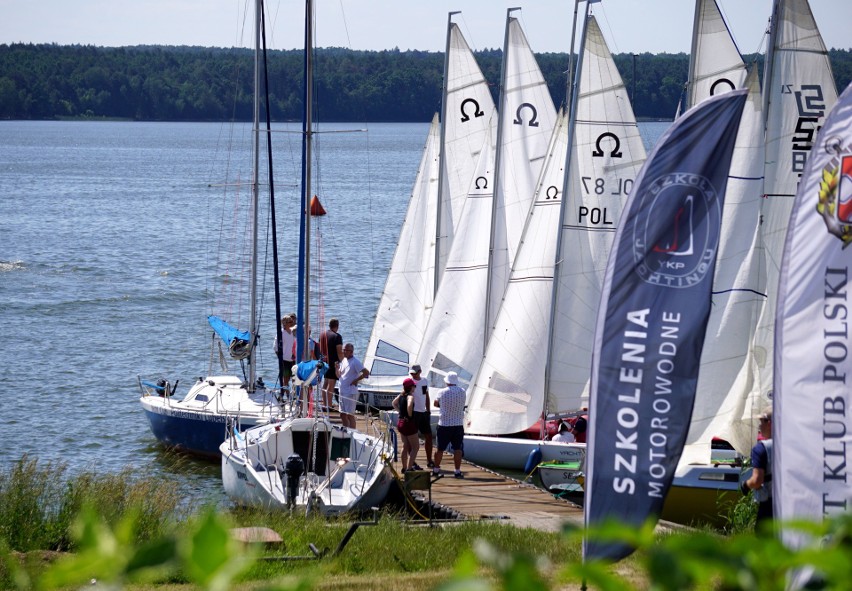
(630, 26)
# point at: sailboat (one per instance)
(799, 92)
(735, 379)
(708, 467)
(454, 149)
(198, 422)
(306, 462)
(537, 360)
(498, 200)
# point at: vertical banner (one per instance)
(812, 420)
(653, 314)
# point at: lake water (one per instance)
(109, 236)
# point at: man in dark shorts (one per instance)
(422, 415)
(331, 347)
(451, 401)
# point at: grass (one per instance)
(142, 536)
(39, 501)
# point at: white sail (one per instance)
(509, 392)
(407, 297)
(526, 121)
(449, 161)
(450, 341)
(726, 378)
(739, 285)
(454, 338)
(800, 92)
(609, 155)
(468, 116)
(510, 377)
(715, 62)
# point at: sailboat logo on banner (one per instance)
(835, 192)
(683, 247)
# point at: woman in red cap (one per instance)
(407, 427)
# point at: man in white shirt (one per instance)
(349, 372)
(451, 401)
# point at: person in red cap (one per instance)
(407, 427)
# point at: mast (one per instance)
(305, 218)
(442, 163)
(690, 80)
(486, 333)
(271, 177)
(255, 197)
(570, 81)
(768, 65)
(557, 265)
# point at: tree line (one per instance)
(160, 83)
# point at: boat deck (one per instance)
(485, 494)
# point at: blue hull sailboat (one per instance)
(198, 423)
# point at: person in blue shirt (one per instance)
(760, 480)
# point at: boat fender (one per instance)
(533, 460)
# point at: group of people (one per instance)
(413, 405)
(342, 365)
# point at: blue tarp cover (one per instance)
(304, 369)
(227, 332)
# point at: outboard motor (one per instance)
(294, 467)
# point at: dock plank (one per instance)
(484, 494)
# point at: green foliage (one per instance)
(153, 83)
(203, 553)
(38, 503)
(741, 516)
(130, 540)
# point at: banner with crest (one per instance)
(812, 422)
(652, 319)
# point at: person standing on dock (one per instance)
(288, 323)
(404, 404)
(350, 371)
(451, 423)
(331, 347)
(760, 480)
(422, 416)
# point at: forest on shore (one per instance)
(166, 83)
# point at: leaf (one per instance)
(211, 558)
(153, 560)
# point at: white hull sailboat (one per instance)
(735, 380)
(446, 182)
(306, 463)
(309, 464)
(704, 481)
(538, 357)
(499, 197)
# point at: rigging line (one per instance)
(612, 44)
(345, 25)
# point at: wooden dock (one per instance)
(485, 494)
